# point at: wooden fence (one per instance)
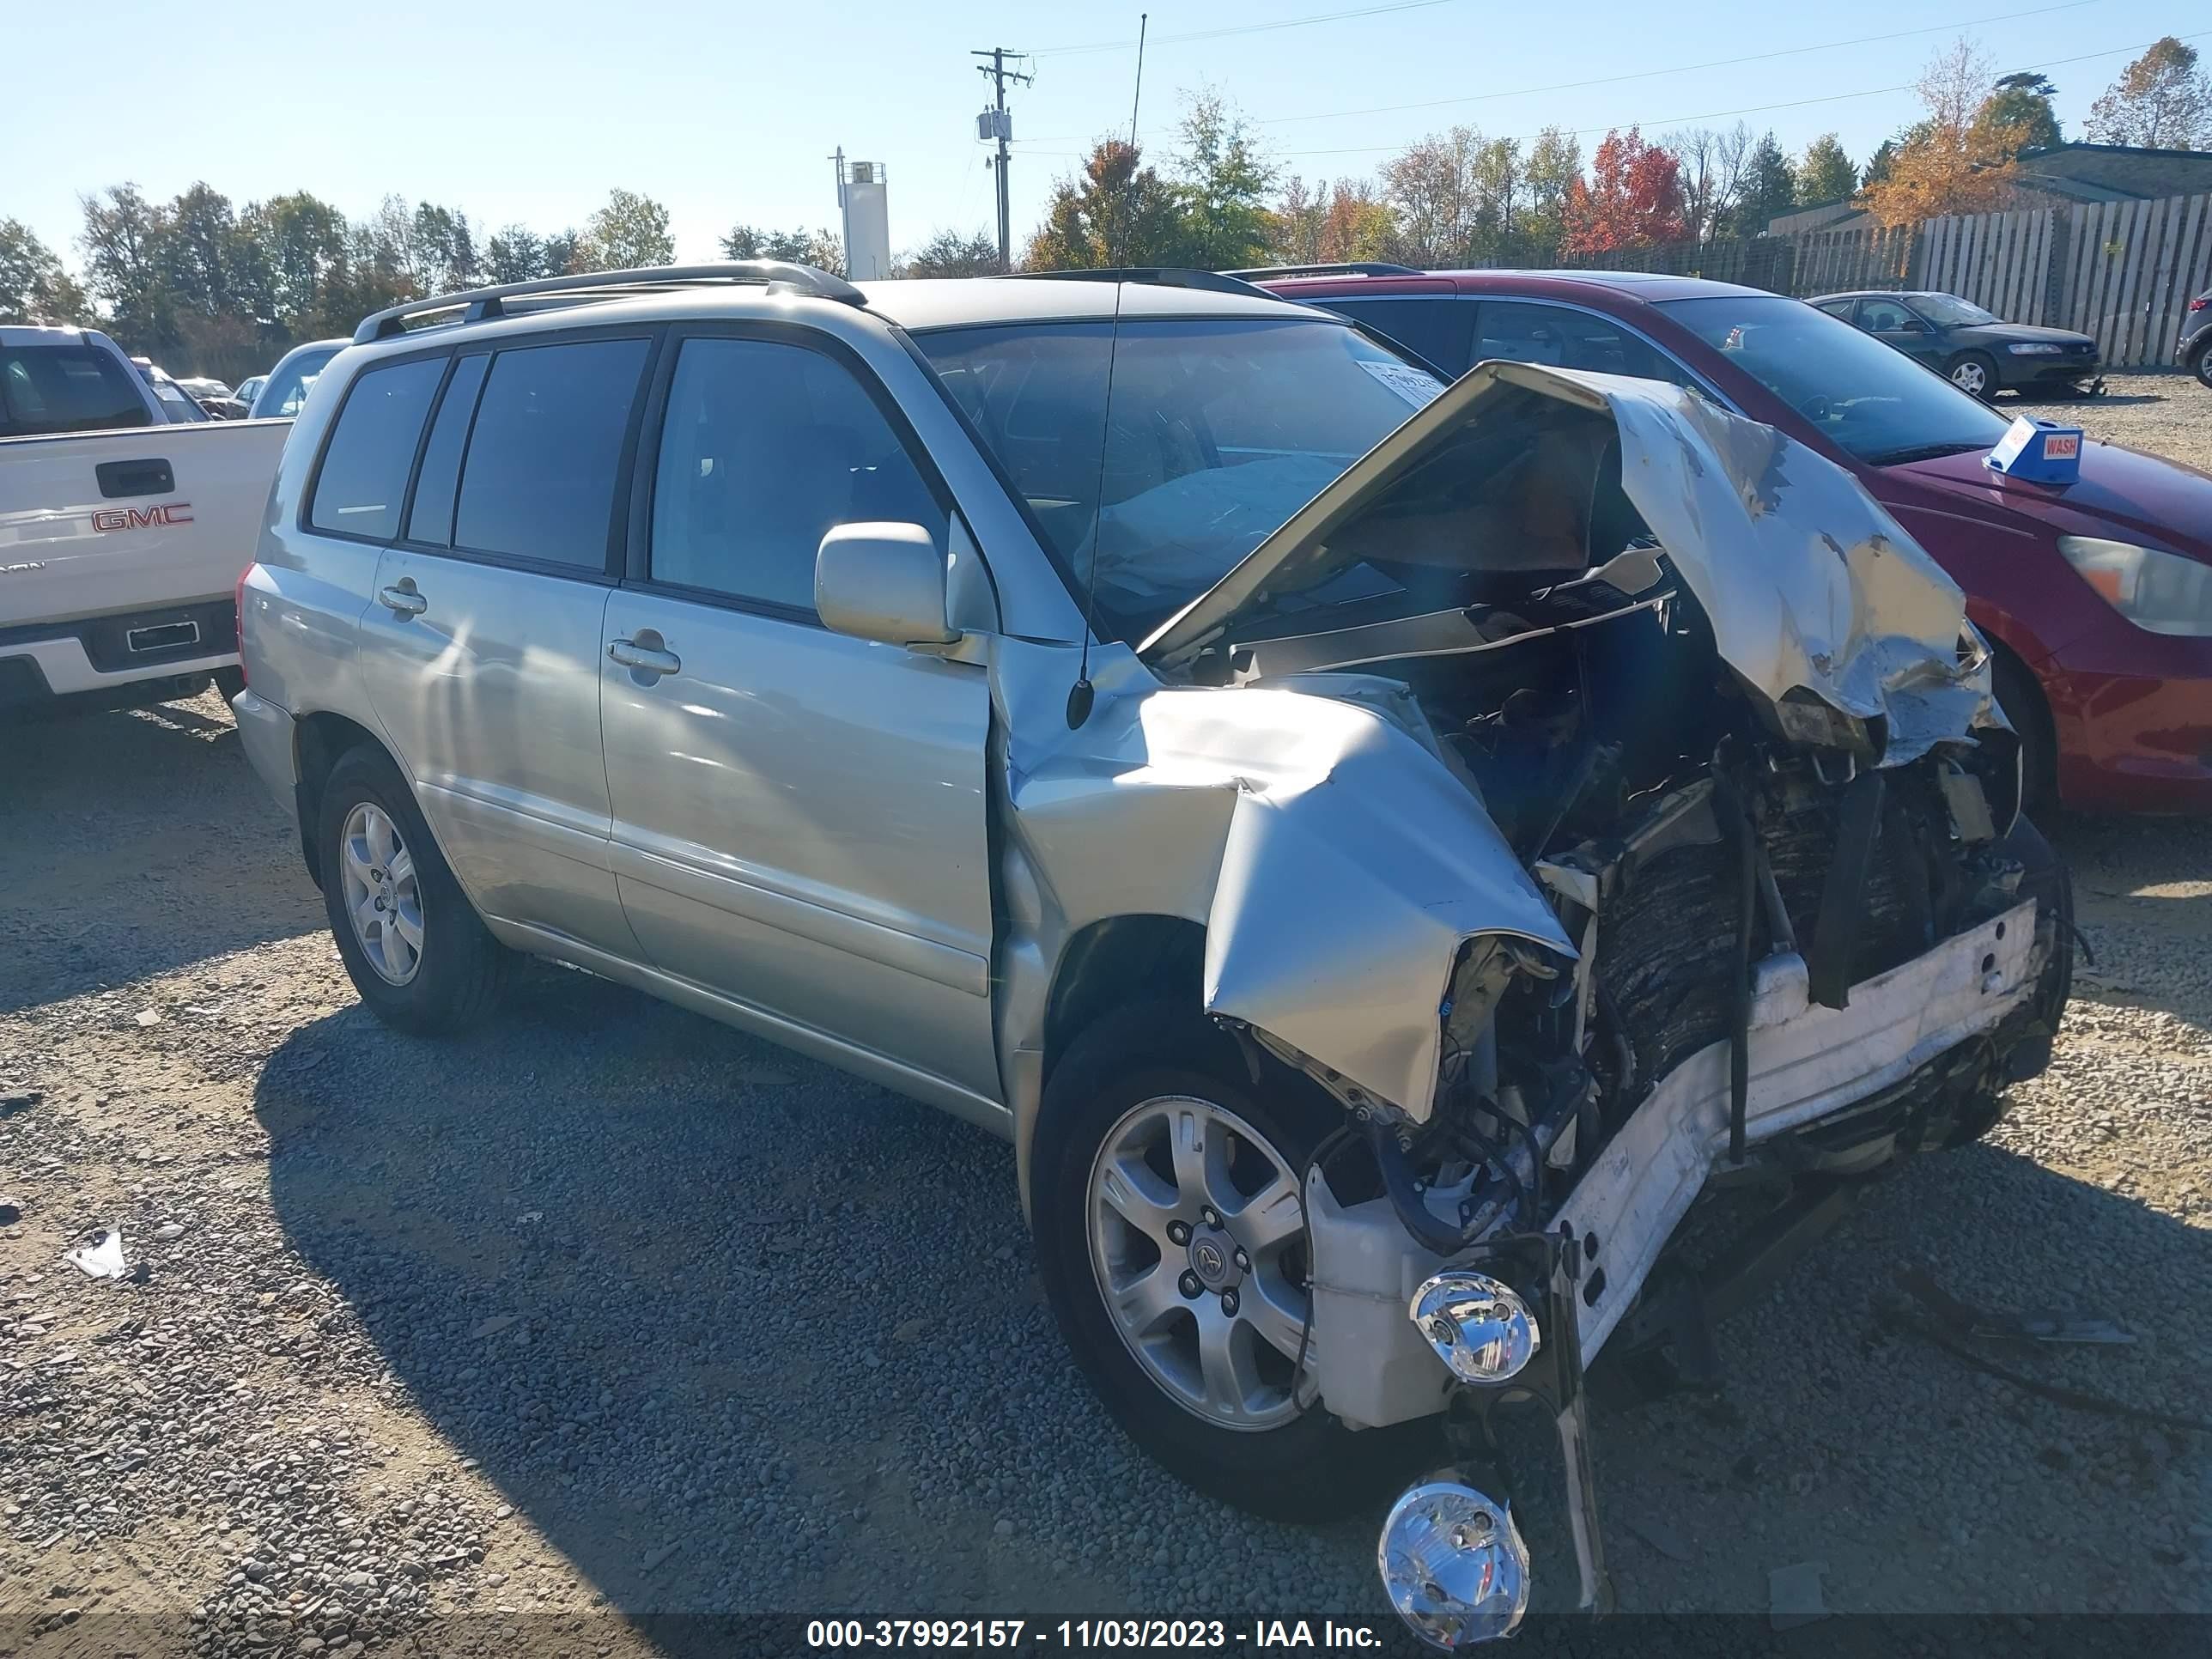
(2122, 272)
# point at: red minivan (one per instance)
(2097, 594)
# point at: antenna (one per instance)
(1082, 695)
(1136, 98)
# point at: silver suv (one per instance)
(1375, 848)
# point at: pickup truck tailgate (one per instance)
(94, 523)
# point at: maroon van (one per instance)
(2097, 595)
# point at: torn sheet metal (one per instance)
(1809, 584)
(1335, 861)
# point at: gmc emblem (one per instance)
(141, 517)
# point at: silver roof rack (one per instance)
(476, 304)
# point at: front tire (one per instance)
(2028, 714)
(411, 942)
(2203, 366)
(1160, 1166)
(1975, 373)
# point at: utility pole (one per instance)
(1002, 129)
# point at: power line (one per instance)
(1682, 69)
(1748, 109)
(1243, 28)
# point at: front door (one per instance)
(799, 817)
(1892, 322)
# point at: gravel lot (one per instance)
(610, 1317)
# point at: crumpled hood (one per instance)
(1809, 584)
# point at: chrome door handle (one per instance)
(645, 659)
(402, 601)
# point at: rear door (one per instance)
(480, 649)
(799, 815)
(1436, 327)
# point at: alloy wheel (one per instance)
(1970, 377)
(383, 900)
(1197, 1244)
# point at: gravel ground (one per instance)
(2168, 415)
(608, 1317)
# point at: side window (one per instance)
(765, 447)
(1438, 330)
(365, 468)
(1882, 316)
(1524, 331)
(430, 518)
(1840, 309)
(545, 452)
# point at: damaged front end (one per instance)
(1734, 880)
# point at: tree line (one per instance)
(202, 285)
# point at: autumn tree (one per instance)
(629, 233)
(1116, 211)
(1949, 161)
(1633, 198)
(1824, 173)
(2161, 101)
(950, 254)
(2019, 106)
(33, 287)
(1356, 223)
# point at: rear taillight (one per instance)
(2200, 301)
(238, 609)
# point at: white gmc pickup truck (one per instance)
(122, 535)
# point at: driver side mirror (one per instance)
(884, 582)
(1913, 325)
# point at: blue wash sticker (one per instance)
(2039, 451)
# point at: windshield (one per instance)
(1949, 310)
(1219, 429)
(288, 387)
(1866, 397)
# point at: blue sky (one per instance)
(728, 113)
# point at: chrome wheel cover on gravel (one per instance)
(1185, 1195)
(1971, 377)
(382, 898)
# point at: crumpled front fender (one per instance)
(1336, 862)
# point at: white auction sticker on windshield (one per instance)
(1416, 386)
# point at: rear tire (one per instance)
(1975, 373)
(1285, 1464)
(413, 945)
(230, 681)
(2203, 366)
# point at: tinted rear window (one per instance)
(1438, 329)
(65, 389)
(543, 458)
(365, 468)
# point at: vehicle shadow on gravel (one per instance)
(133, 844)
(738, 1333)
(678, 1290)
(2142, 896)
